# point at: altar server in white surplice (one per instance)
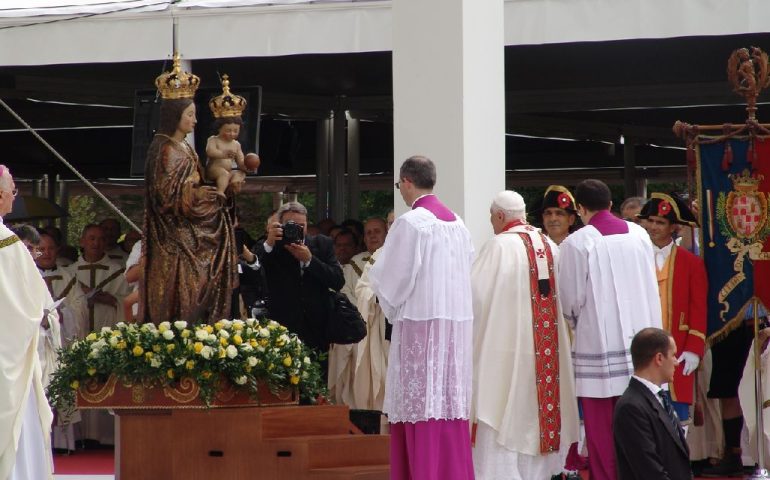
(524, 404)
(104, 285)
(422, 280)
(609, 292)
(25, 417)
(372, 353)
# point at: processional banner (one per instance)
(733, 181)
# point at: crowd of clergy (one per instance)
(506, 363)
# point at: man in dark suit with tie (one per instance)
(299, 273)
(649, 441)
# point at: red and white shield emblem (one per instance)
(746, 213)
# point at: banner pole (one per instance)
(760, 473)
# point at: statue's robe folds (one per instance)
(190, 269)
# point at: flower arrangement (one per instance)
(246, 353)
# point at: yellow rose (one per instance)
(115, 333)
(162, 328)
(185, 333)
(138, 351)
(237, 326)
(170, 373)
(287, 360)
(280, 343)
(198, 347)
(209, 328)
(148, 356)
(91, 371)
(217, 326)
(294, 380)
(222, 352)
(121, 345)
(237, 339)
(190, 364)
(206, 374)
(253, 343)
(91, 337)
(75, 384)
(223, 342)
(263, 342)
(247, 368)
(170, 347)
(270, 367)
(156, 348)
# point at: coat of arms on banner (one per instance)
(742, 218)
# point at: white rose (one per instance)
(273, 323)
(246, 347)
(155, 362)
(241, 380)
(263, 332)
(252, 361)
(106, 330)
(180, 325)
(251, 321)
(249, 331)
(120, 324)
(180, 361)
(260, 348)
(206, 352)
(307, 360)
(226, 323)
(165, 325)
(285, 338)
(201, 334)
(224, 334)
(232, 352)
(168, 334)
(113, 341)
(211, 337)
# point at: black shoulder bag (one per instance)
(345, 325)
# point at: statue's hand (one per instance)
(207, 194)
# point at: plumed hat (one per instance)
(556, 196)
(670, 207)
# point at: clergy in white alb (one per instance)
(25, 417)
(524, 405)
(73, 320)
(343, 359)
(609, 292)
(104, 285)
(371, 362)
(422, 280)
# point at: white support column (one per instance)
(449, 100)
(354, 161)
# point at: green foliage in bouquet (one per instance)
(243, 352)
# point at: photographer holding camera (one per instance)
(300, 270)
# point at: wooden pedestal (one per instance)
(265, 443)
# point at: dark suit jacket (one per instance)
(300, 300)
(646, 444)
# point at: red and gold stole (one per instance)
(546, 335)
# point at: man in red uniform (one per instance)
(682, 286)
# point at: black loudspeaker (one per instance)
(147, 116)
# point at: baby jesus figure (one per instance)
(225, 165)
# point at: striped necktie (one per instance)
(672, 417)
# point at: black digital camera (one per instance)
(292, 233)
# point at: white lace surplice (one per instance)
(429, 371)
(422, 281)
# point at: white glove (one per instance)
(691, 362)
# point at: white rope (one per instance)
(70, 166)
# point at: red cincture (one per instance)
(512, 224)
(546, 334)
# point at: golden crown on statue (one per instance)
(746, 182)
(176, 83)
(227, 104)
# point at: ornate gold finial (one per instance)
(747, 71)
(746, 182)
(227, 104)
(176, 83)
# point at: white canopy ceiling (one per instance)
(38, 32)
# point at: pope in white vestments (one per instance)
(25, 417)
(524, 405)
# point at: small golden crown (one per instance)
(227, 104)
(176, 83)
(746, 182)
